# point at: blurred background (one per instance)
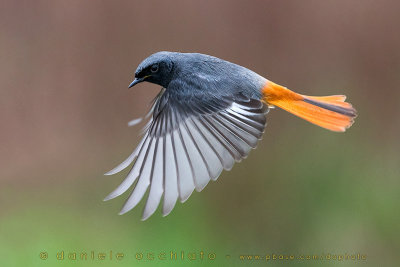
(64, 107)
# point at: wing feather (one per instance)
(144, 180)
(199, 167)
(133, 174)
(207, 152)
(129, 160)
(185, 173)
(156, 188)
(224, 154)
(186, 145)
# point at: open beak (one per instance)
(136, 81)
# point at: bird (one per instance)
(209, 114)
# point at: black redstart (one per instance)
(209, 114)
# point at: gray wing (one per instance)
(187, 144)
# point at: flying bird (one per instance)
(208, 115)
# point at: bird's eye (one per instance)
(154, 68)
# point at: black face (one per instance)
(154, 69)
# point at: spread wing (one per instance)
(187, 144)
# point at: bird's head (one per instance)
(157, 69)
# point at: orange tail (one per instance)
(330, 112)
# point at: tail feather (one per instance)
(330, 112)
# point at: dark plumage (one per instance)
(209, 114)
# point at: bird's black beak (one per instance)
(136, 81)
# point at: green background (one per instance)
(64, 71)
